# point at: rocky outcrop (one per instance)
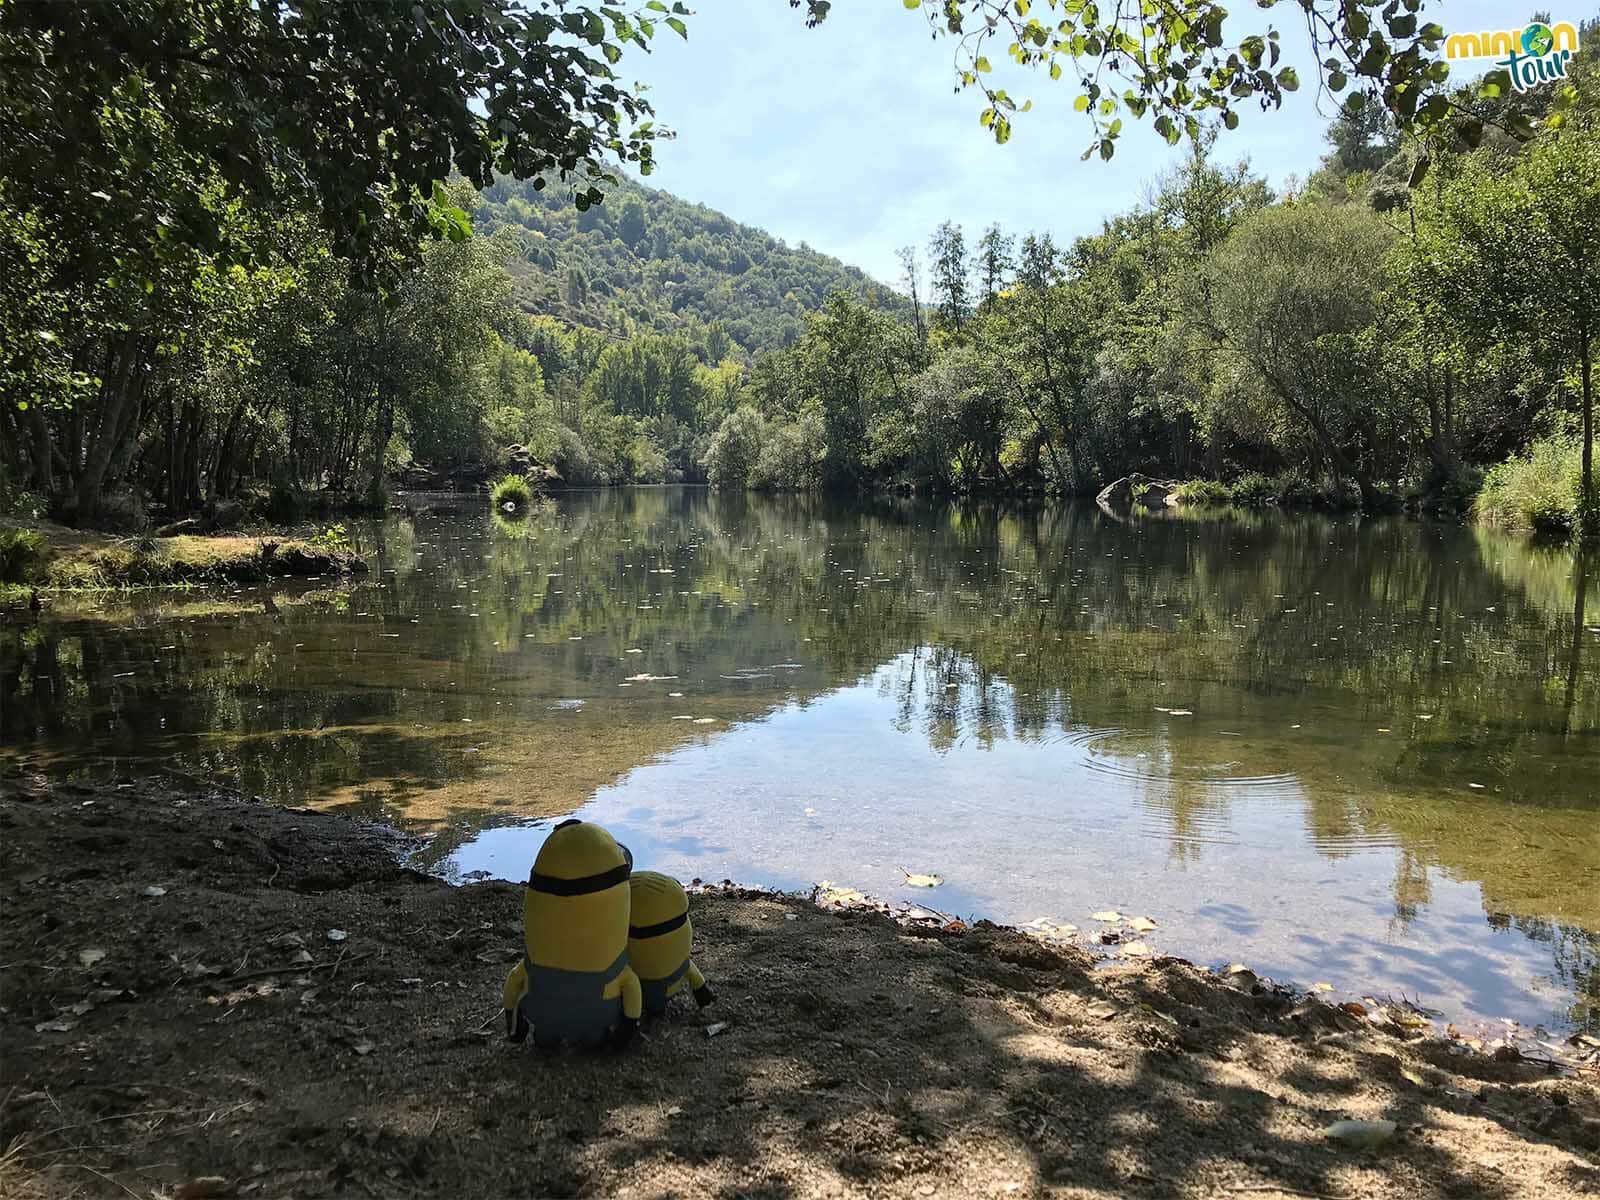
(1120, 496)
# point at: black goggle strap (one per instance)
(640, 932)
(554, 885)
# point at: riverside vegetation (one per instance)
(191, 317)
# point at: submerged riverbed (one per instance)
(1361, 753)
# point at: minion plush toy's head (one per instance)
(575, 913)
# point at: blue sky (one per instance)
(849, 137)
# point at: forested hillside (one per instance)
(646, 260)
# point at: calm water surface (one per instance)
(1344, 751)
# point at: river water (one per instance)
(1343, 751)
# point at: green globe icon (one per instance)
(1537, 39)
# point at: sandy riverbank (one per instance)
(172, 1007)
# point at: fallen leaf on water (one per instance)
(81, 1007)
(1322, 987)
(1136, 950)
(202, 1187)
(1108, 915)
(1141, 924)
(831, 893)
(152, 890)
(363, 1048)
(88, 958)
(55, 1027)
(337, 935)
(705, 720)
(715, 1028)
(927, 881)
(1362, 1135)
(1180, 712)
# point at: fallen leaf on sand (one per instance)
(1107, 915)
(88, 958)
(1322, 987)
(1354, 1007)
(1408, 1074)
(927, 881)
(1136, 950)
(1361, 1135)
(1103, 1009)
(1141, 924)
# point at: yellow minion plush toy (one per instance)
(659, 938)
(574, 983)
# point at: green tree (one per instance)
(1294, 289)
(1517, 253)
(734, 450)
(631, 226)
(994, 261)
(951, 270)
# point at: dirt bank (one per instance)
(73, 559)
(174, 1004)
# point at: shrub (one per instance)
(1295, 489)
(1537, 490)
(334, 537)
(1254, 490)
(735, 449)
(1203, 493)
(286, 504)
(573, 461)
(22, 553)
(512, 490)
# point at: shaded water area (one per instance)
(1358, 752)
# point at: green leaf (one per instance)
(981, 64)
(1420, 171)
(678, 27)
(1081, 104)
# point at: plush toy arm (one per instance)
(632, 1007)
(697, 983)
(516, 987)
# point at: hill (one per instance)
(647, 259)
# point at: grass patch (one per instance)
(1203, 493)
(1253, 490)
(1537, 490)
(106, 564)
(513, 490)
(23, 554)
